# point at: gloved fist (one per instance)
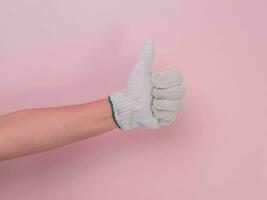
(167, 96)
(147, 100)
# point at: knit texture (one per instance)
(147, 101)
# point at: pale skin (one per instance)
(36, 130)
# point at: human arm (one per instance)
(147, 100)
(36, 130)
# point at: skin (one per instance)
(36, 130)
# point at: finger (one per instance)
(146, 57)
(163, 114)
(166, 79)
(163, 122)
(165, 118)
(169, 105)
(175, 92)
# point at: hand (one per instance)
(147, 101)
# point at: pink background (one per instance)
(58, 52)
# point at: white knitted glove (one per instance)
(147, 101)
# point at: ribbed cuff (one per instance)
(123, 109)
(113, 112)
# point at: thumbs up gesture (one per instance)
(148, 100)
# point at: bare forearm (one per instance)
(36, 130)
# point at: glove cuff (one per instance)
(122, 109)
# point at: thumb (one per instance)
(146, 57)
